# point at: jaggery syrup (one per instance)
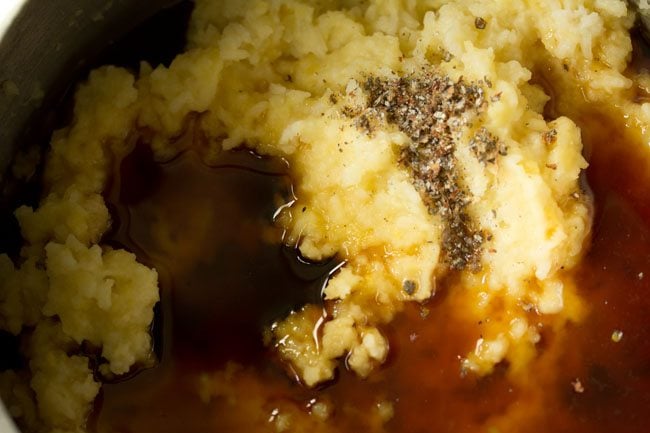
(224, 276)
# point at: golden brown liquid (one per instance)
(223, 279)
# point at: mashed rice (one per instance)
(287, 78)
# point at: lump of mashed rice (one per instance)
(65, 291)
(291, 78)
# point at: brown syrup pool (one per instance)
(208, 231)
(223, 275)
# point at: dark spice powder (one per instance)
(485, 146)
(433, 111)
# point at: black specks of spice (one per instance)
(433, 110)
(409, 287)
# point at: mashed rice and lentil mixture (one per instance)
(421, 150)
